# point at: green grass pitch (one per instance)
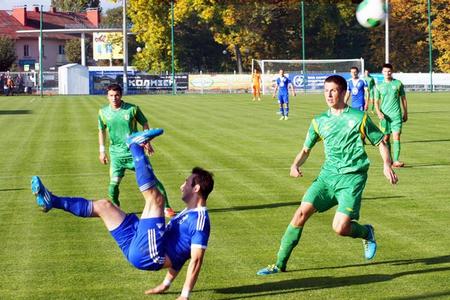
(59, 256)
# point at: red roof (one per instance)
(51, 20)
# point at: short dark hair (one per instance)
(389, 66)
(204, 179)
(339, 80)
(354, 68)
(114, 87)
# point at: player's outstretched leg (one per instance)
(43, 196)
(369, 243)
(145, 136)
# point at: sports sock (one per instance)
(358, 231)
(281, 110)
(287, 109)
(145, 177)
(113, 193)
(78, 206)
(396, 150)
(163, 192)
(289, 240)
(388, 145)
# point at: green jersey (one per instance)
(120, 124)
(390, 94)
(370, 85)
(343, 136)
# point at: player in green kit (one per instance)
(392, 110)
(120, 119)
(343, 176)
(370, 90)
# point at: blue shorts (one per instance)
(359, 107)
(141, 241)
(282, 99)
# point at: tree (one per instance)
(72, 49)
(74, 5)
(8, 51)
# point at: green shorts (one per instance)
(118, 165)
(344, 190)
(391, 124)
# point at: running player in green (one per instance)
(120, 120)
(392, 111)
(370, 90)
(343, 175)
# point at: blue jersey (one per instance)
(357, 92)
(189, 229)
(283, 84)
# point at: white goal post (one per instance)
(307, 75)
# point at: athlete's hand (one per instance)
(390, 174)
(366, 106)
(103, 158)
(149, 149)
(296, 172)
(157, 289)
(380, 116)
(405, 117)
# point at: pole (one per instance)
(303, 47)
(173, 49)
(125, 48)
(430, 46)
(41, 83)
(386, 33)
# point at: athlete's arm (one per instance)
(193, 270)
(405, 109)
(299, 160)
(387, 163)
(377, 108)
(101, 144)
(347, 96)
(292, 89)
(165, 285)
(275, 91)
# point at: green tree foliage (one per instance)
(8, 51)
(72, 49)
(74, 5)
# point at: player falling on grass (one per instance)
(282, 87)
(120, 119)
(256, 85)
(370, 82)
(343, 175)
(356, 88)
(392, 110)
(146, 242)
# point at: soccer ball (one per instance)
(371, 13)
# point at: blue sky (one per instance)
(9, 4)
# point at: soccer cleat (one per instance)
(398, 164)
(286, 118)
(370, 245)
(169, 212)
(145, 136)
(282, 118)
(43, 196)
(270, 269)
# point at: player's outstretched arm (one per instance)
(299, 160)
(101, 142)
(165, 285)
(387, 163)
(192, 272)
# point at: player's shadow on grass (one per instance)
(252, 207)
(15, 112)
(10, 190)
(316, 283)
(426, 141)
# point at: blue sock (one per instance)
(145, 177)
(287, 109)
(281, 110)
(78, 206)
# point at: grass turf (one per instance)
(57, 255)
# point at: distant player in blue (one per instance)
(357, 88)
(282, 87)
(146, 242)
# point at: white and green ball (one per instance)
(371, 13)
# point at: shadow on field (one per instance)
(384, 197)
(426, 141)
(326, 282)
(10, 190)
(251, 207)
(15, 112)
(426, 165)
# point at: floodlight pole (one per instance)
(303, 46)
(125, 47)
(430, 46)
(386, 33)
(173, 48)
(41, 84)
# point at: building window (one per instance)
(26, 50)
(61, 49)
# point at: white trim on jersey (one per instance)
(198, 246)
(153, 252)
(201, 220)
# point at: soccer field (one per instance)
(59, 256)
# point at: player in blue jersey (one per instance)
(282, 87)
(357, 88)
(146, 242)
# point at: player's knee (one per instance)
(341, 228)
(103, 205)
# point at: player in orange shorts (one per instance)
(256, 85)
